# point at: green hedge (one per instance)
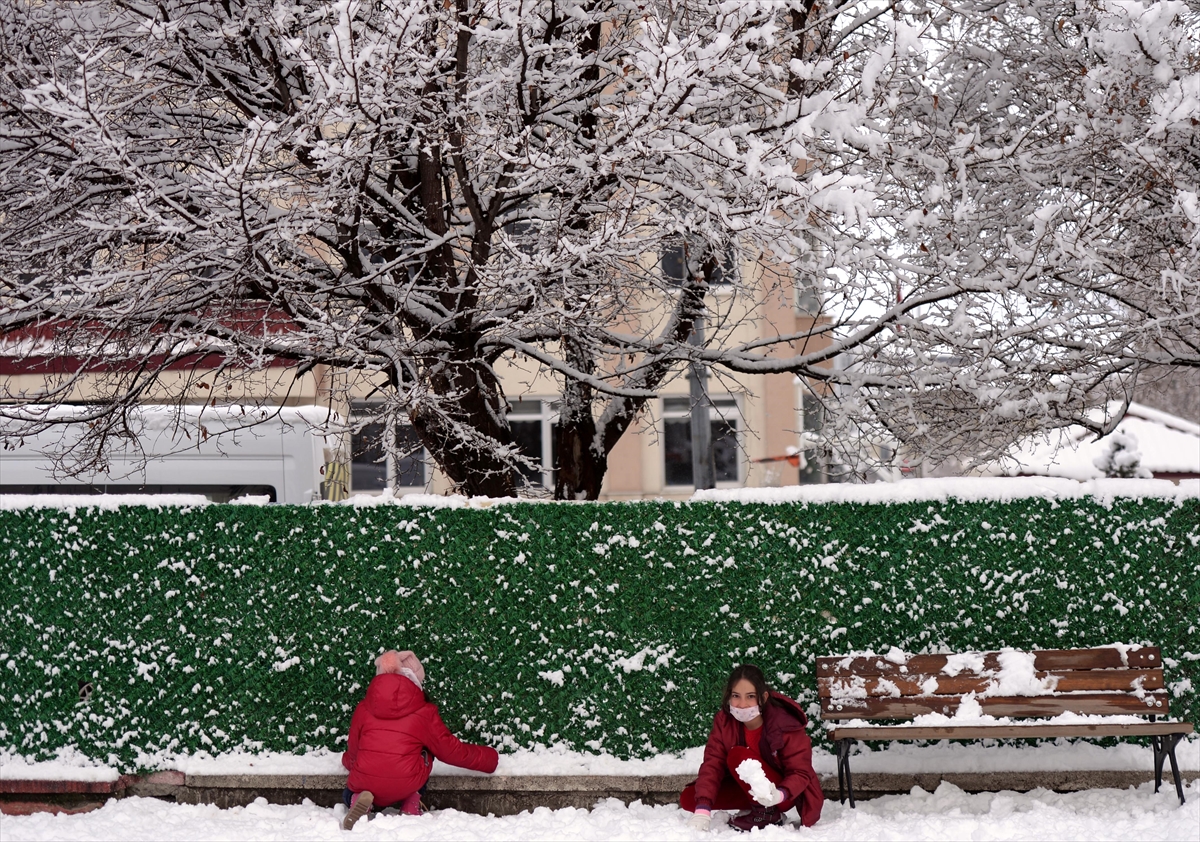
(602, 626)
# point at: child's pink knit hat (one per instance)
(400, 663)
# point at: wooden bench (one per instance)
(1009, 685)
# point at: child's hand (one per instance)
(701, 820)
(767, 797)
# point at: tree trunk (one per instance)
(462, 439)
(581, 461)
(581, 468)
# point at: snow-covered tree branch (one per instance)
(996, 203)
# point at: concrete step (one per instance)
(503, 795)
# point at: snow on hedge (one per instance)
(962, 489)
(932, 489)
(134, 633)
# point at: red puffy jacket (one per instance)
(784, 746)
(389, 728)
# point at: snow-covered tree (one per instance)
(996, 202)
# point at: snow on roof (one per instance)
(158, 416)
(1167, 445)
(72, 502)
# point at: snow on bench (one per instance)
(1108, 691)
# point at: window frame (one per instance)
(547, 417)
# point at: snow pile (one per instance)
(947, 813)
(1018, 677)
(964, 662)
(761, 789)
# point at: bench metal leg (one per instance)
(843, 765)
(1164, 749)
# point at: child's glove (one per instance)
(700, 820)
(771, 797)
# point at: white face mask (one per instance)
(745, 714)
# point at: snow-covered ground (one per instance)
(948, 813)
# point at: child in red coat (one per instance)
(395, 734)
(758, 759)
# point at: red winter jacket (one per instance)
(784, 746)
(387, 732)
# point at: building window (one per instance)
(370, 467)
(533, 424)
(409, 463)
(812, 469)
(675, 257)
(677, 441)
(368, 458)
(808, 296)
(810, 286)
(524, 235)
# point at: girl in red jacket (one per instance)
(758, 759)
(395, 734)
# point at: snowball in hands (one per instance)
(761, 789)
(700, 821)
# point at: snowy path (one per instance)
(948, 813)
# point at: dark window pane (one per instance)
(813, 471)
(674, 266)
(410, 466)
(677, 404)
(528, 437)
(726, 270)
(524, 235)
(525, 407)
(554, 439)
(677, 451)
(725, 450)
(808, 300)
(368, 469)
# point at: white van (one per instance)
(212, 451)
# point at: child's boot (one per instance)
(411, 806)
(360, 805)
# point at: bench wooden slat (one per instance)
(985, 732)
(1104, 657)
(1069, 681)
(1035, 707)
(1107, 682)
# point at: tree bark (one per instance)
(581, 461)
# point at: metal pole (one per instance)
(703, 465)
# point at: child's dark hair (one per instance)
(752, 674)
